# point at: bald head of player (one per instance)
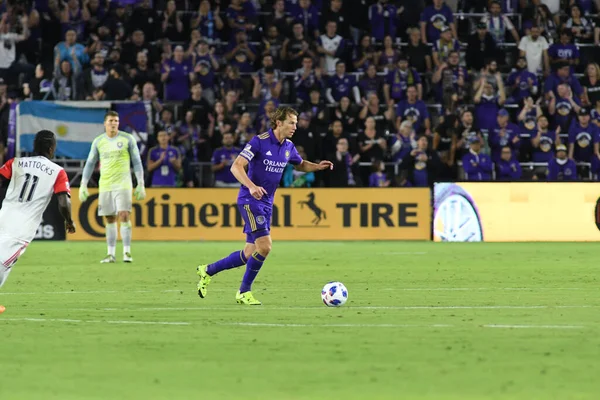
(44, 144)
(283, 122)
(111, 123)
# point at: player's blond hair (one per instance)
(281, 114)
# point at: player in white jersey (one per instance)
(33, 181)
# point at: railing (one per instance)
(205, 177)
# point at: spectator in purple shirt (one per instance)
(584, 138)
(508, 168)
(241, 16)
(522, 82)
(433, 19)
(563, 75)
(383, 17)
(208, 22)
(505, 133)
(342, 85)
(164, 162)
(222, 159)
(544, 141)
(378, 177)
(205, 65)
(562, 168)
(563, 107)
(308, 16)
(444, 46)
(415, 111)
(564, 51)
(370, 83)
(177, 73)
(477, 166)
(399, 79)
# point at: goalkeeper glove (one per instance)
(83, 193)
(139, 193)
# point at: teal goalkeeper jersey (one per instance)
(115, 155)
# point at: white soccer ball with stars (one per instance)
(334, 294)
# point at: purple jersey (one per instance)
(562, 171)
(545, 151)
(206, 76)
(499, 139)
(178, 82)
(416, 113)
(399, 80)
(554, 80)
(522, 90)
(267, 158)
(566, 52)
(436, 20)
(165, 174)
(341, 86)
(377, 179)
(583, 139)
(221, 154)
(486, 112)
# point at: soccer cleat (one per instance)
(108, 259)
(204, 280)
(127, 258)
(246, 298)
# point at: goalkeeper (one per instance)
(115, 150)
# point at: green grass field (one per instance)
(423, 321)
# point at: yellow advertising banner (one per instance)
(516, 211)
(298, 214)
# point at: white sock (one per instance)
(126, 236)
(111, 238)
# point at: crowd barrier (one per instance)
(516, 211)
(299, 214)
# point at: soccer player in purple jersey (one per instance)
(264, 157)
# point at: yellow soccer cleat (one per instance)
(246, 298)
(204, 280)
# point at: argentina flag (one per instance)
(75, 124)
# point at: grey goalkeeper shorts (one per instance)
(110, 203)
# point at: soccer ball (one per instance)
(334, 294)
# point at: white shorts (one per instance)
(10, 251)
(110, 203)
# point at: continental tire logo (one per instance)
(297, 214)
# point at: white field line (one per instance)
(424, 289)
(336, 325)
(279, 325)
(258, 324)
(534, 326)
(401, 253)
(267, 308)
(133, 322)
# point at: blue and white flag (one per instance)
(75, 124)
(135, 118)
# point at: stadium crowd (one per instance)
(395, 93)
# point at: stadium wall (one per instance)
(299, 214)
(516, 211)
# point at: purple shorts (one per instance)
(257, 220)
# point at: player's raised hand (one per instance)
(324, 165)
(70, 226)
(139, 193)
(83, 194)
(257, 192)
